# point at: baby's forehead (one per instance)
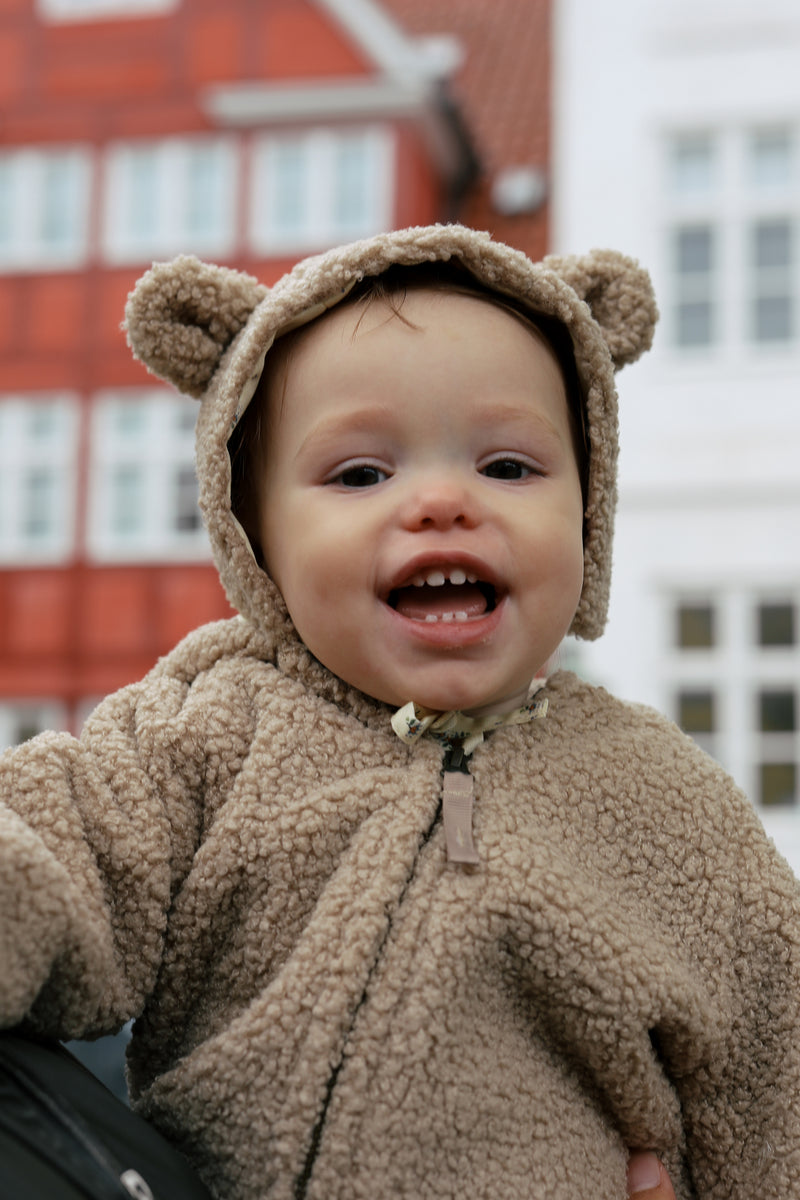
(408, 304)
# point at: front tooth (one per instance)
(430, 618)
(472, 579)
(458, 576)
(435, 579)
(418, 581)
(447, 617)
(461, 616)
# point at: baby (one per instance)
(398, 914)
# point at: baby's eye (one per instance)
(507, 468)
(361, 475)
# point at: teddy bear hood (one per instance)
(207, 330)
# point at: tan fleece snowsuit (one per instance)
(240, 852)
(242, 848)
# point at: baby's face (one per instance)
(421, 505)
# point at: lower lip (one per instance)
(450, 635)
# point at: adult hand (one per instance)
(647, 1178)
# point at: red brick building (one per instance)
(250, 133)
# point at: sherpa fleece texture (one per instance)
(240, 852)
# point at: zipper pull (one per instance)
(458, 792)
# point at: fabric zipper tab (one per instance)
(458, 792)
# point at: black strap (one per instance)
(64, 1136)
(53, 1130)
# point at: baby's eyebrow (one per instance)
(510, 416)
(373, 418)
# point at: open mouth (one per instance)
(444, 594)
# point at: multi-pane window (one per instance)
(733, 205)
(178, 194)
(143, 490)
(320, 186)
(44, 207)
(38, 474)
(173, 195)
(735, 685)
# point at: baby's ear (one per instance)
(182, 315)
(619, 294)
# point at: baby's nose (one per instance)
(441, 504)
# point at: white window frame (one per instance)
(92, 10)
(53, 456)
(151, 458)
(24, 208)
(736, 669)
(318, 151)
(19, 715)
(733, 202)
(169, 195)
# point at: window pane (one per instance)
(770, 159)
(204, 190)
(692, 163)
(26, 729)
(776, 625)
(693, 250)
(289, 187)
(694, 324)
(772, 244)
(186, 417)
(6, 202)
(778, 783)
(777, 712)
(696, 711)
(695, 628)
(143, 192)
(187, 513)
(129, 420)
(39, 494)
(127, 499)
(350, 200)
(773, 318)
(42, 422)
(58, 202)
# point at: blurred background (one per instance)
(255, 132)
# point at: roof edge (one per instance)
(383, 39)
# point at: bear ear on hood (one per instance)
(619, 295)
(182, 316)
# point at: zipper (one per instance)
(458, 795)
(304, 1178)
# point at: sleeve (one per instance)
(741, 1109)
(95, 834)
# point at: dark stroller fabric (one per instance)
(64, 1136)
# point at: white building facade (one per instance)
(677, 140)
